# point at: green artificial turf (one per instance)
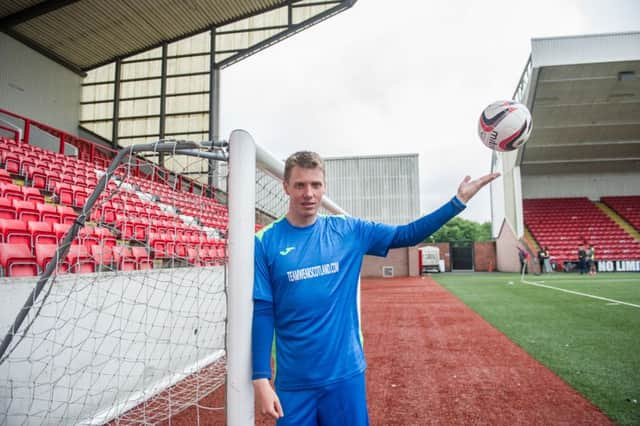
(593, 344)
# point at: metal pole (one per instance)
(214, 109)
(163, 99)
(116, 104)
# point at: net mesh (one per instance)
(130, 329)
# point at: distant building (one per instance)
(382, 188)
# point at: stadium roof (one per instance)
(584, 95)
(84, 34)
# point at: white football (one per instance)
(505, 125)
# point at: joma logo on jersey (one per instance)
(287, 251)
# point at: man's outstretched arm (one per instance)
(416, 231)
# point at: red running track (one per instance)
(433, 361)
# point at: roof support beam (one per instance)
(582, 144)
(580, 161)
(33, 12)
(116, 104)
(338, 6)
(214, 110)
(163, 99)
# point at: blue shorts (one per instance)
(339, 404)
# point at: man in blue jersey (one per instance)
(306, 281)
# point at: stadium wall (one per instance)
(507, 249)
(403, 260)
(506, 195)
(484, 256)
(592, 186)
(35, 86)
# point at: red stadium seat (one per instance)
(80, 260)
(193, 257)
(103, 257)
(158, 244)
(64, 193)
(60, 230)
(53, 178)
(125, 225)
(16, 261)
(105, 237)
(48, 213)
(11, 162)
(11, 191)
(80, 195)
(6, 209)
(67, 214)
(104, 212)
(26, 211)
(142, 258)
(15, 232)
(123, 258)
(44, 254)
(5, 177)
(32, 194)
(41, 233)
(37, 176)
(87, 236)
(26, 161)
(181, 246)
(140, 227)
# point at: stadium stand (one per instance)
(41, 193)
(628, 207)
(563, 224)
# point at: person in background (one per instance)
(582, 259)
(543, 256)
(591, 259)
(523, 256)
(547, 261)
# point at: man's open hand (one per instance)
(468, 188)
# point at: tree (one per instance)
(458, 229)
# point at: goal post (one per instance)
(242, 172)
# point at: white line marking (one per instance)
(576, 292)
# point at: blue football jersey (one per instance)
(310, 274)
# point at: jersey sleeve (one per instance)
(376, 237)
(416, 231)
(262, 289)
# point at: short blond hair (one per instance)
(304, 159)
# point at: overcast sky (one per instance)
(404, 76)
